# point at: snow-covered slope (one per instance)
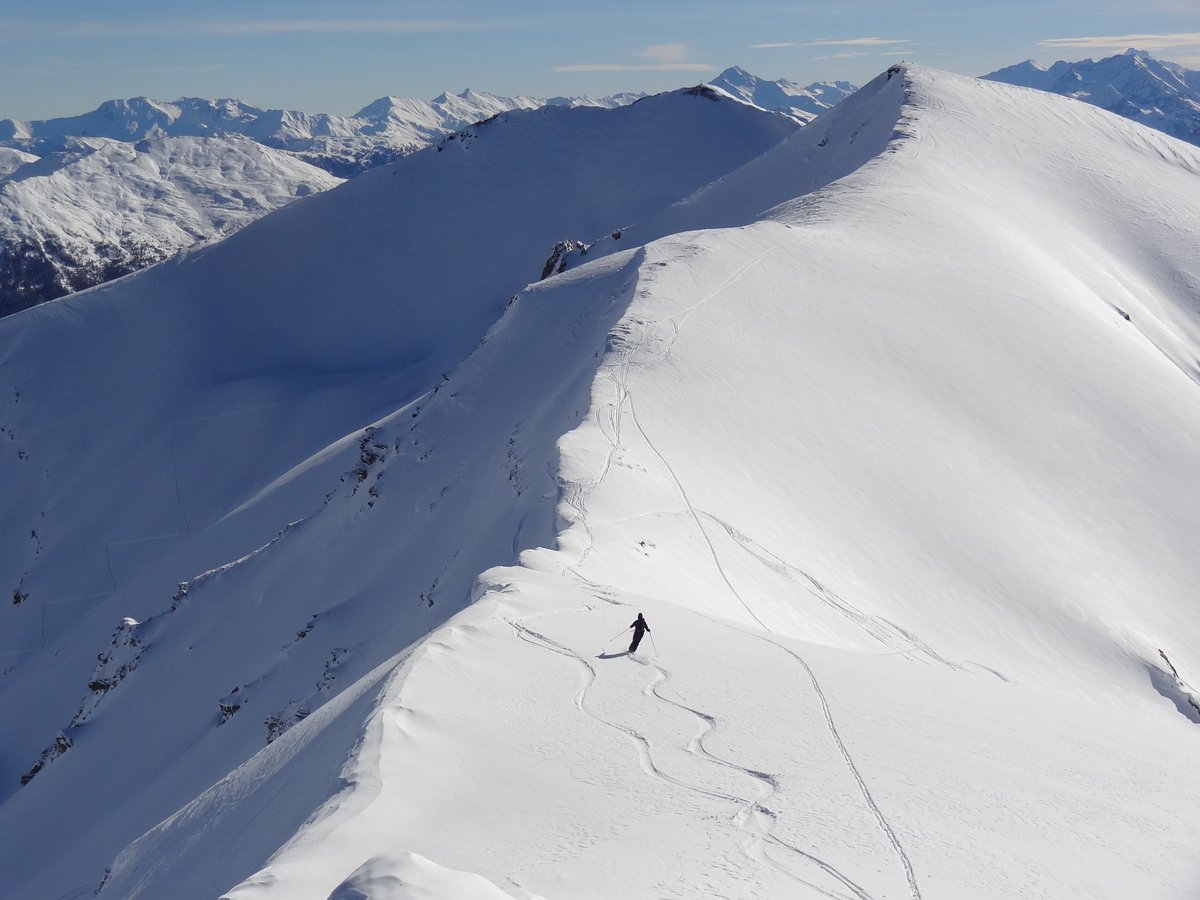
(97, 209)
(1157, 93)
(801, 103)
(887, 428)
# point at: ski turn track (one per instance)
(623, 375)
(901, 855)
(754, 807)
(751, 812)
(909, 874)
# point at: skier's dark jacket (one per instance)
(639, 626)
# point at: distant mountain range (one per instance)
(1159, 94)
(85, 199)
(381, 131)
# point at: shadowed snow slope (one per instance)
(888, 427)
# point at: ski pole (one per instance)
(613, 638)
(652, 644)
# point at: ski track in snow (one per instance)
(770, 782)
(622, 376)
(751, 813)
(892, 636)
(910, 876)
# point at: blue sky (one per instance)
(65, 57)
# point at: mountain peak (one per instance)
(782, 96)
(736, 73)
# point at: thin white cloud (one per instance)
(858, 42)
(188, 70)
(774, 46)
(1175, 7)
(234, 27)
(841, 55)
(1122, 41)
(664, 53)
(665, 58)
(647, 67)
(329, 26)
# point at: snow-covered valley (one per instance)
(888, 425)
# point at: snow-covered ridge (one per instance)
(886, 423)
(1159, 94)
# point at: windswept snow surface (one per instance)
(889, 432)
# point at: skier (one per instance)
(639, 628)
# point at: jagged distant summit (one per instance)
(1160, 94)
(801, 103)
